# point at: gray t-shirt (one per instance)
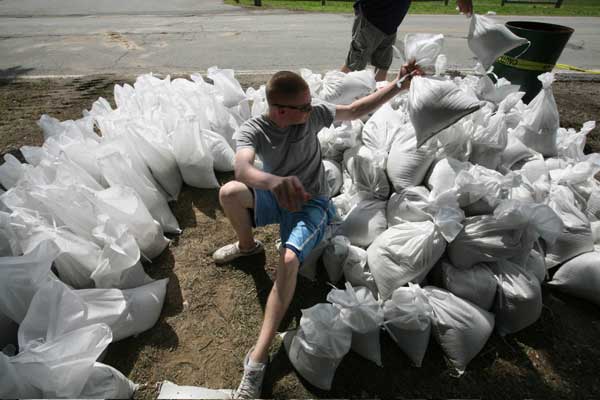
(294, 150)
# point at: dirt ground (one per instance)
(212, 313)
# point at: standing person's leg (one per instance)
(383, 56)
(359, 52)
(237, 202)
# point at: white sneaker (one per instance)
(232, 251)
(252, 380)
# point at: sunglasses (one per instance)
(304, 107)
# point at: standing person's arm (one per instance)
(371, 102)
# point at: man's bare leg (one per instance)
(236, 199)
(277, 304)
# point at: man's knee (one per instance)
(234, 193)
(290, 261)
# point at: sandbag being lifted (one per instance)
(489, 40)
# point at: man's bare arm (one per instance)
(371, 102)
(288, 190)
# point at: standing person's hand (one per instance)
(406, 73)
(290, 193)
(465, 7)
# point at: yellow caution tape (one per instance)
(539, 67)
(525, 64)
(572, 68)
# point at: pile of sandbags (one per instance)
(487, 198)
(457, 186)
(85, 211)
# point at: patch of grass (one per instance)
(579, 8)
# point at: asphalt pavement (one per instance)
(65, 37)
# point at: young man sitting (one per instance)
(291, 191)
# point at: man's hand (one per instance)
(289, 192)
(406, 73)
(465, 6)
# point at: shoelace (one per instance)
(248, 385)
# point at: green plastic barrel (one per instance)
(547, 43)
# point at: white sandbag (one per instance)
(154, 148)
(489, 142)
(9, 243)
(11, 171)
(106, 382)
(404, 253)
(341, 88)
(408, 321)
(407, 165)
(56, 309)
(494, 92)
(361, 312)
(580, 277)
(507, 234)
(424, 48)
(515, 151)
(117, 171)
(409, 205)
(193, 155)
(334, 257)
(222, 153)
(333, 176)
(443, 175)
(259, 100)
(570, 143)
(536, 265)
(415, 204)
(77, 129)
(455, 141)
(123, 204)
(367, 170)
(481, 189)
(229, 90)
(519, 299)
(22, 276)
(460, 327)
(436, 104)
(77, 258)
(576, 236)
(540, 123)
(366, 221)
(319, 345)
(60, 368)
(118, 140)
(477, 284)
(313, 80)
(335, 140)
(384, 127)
(356, 270)
(489, 40)
(120, 265)
(535, 169)
(169, 390)
(12, 384)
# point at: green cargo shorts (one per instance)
(369, 44)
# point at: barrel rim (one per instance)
(536, 26)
